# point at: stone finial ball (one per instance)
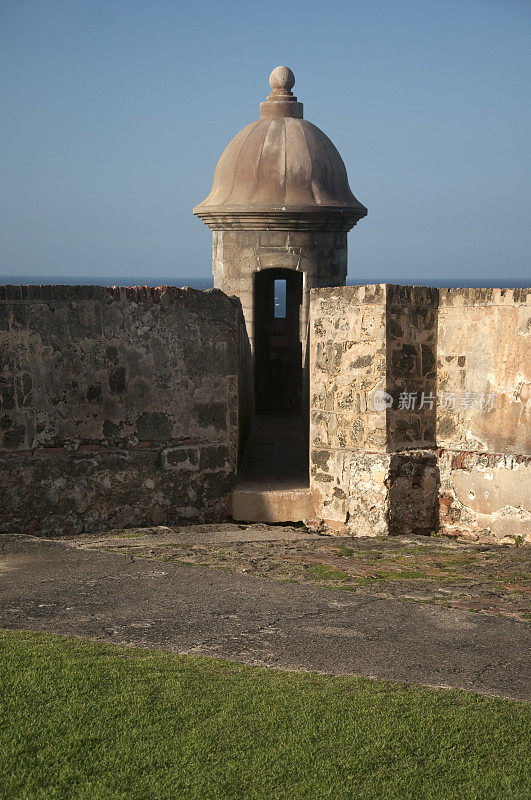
(282, 80)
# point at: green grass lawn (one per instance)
(86, 720)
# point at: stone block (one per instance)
(281, 505)
(181, 459)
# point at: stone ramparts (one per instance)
(420, 410)
(119, 406)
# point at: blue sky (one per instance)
(116, 111)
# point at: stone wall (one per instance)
(122, 407)
(347, 366)
(372, 466)
(411, 366)
(118, 407)
(388, 450)
(484, 412)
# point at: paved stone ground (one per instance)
(435, 570)
(60, 587)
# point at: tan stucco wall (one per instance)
(484, 349)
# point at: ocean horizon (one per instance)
(207, 282)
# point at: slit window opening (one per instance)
(279, 293)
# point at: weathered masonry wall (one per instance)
(388, 451)
(118, 407)
(484, 419)
(123, 407)
(373, 470)
(347, 366)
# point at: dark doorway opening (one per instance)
(276, 452)
(278, 349)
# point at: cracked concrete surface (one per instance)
(50, 586)
(486, 579)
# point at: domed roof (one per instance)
(279, 166)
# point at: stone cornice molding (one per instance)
(329, 219)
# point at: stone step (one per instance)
(264, 504)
